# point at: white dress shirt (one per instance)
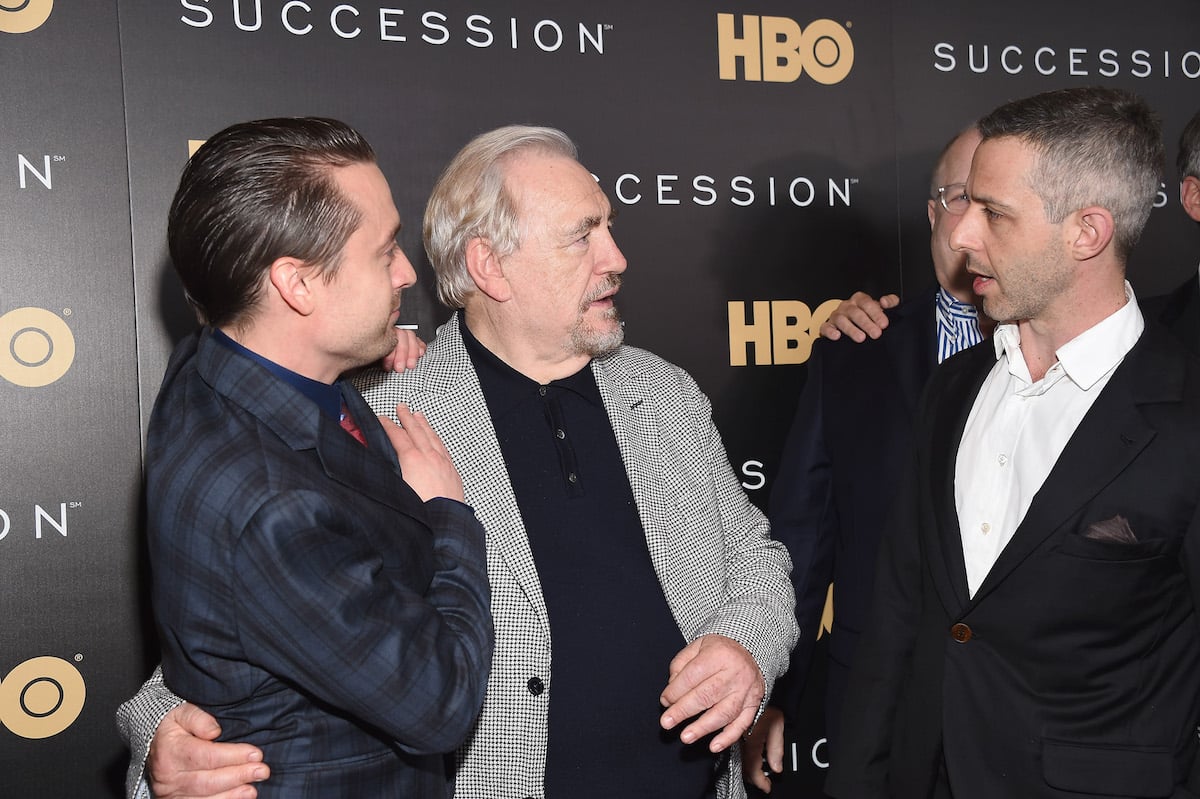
(1018, 428)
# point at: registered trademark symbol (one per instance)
(78, 657)
(848, 25)
(66, 311)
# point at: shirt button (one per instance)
(961, 633)
(1003, 459)
(535, 686)
(985, 528)
(542, 390)
(571, 478)
(560, 433)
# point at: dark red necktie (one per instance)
(347, 423)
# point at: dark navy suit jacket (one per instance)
(1075, 668)
(304, 594)
(1180, 312)
(849, 443)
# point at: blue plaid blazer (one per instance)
(304, 594)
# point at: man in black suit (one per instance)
(862, 317)
(1180, 310)
(851, 435)
(1034, 627)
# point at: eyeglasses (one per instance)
(953, 198)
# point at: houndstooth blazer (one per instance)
(711, 548)
(720, 570)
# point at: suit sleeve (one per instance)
(137, 721)
(317, 604)
(881, 662)
(804, 518)
(759, 608)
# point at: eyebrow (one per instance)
(989, 201)
(589, 223)
(395, 233)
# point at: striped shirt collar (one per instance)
(957, 324)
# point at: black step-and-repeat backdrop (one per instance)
(766, 159)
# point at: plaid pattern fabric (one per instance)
(720, 570)
(304, 593)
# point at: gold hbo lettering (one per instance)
(36, 347)
(41, 697)
(778, 50)
(23, 16)
(777, 331)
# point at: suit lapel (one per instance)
(950, 408)
(371, 470)
(1110, 436)
(450, 396)
(657, 487)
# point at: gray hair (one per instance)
(1095, 146)
(471, 200)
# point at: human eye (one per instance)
(991, 215)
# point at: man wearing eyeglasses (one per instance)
(852, 435)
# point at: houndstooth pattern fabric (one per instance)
(721, 573)
(137, 720)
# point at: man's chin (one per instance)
(595, 343)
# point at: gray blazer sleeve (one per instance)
(137, 721)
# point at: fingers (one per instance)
(753, 773)
(859, 317)
(230, 782)
(420, 433)
(830, 331)
(727, 718)
(193, 721)
(715, 678)
(184, 760)
(752, 760)
(770, 725)
(409, 348)
(424, 461)
(765, 742)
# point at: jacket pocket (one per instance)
(1133, 771)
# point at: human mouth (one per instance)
(980, 281)
(602, 296)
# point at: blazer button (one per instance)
(535, 686)
(961, 633)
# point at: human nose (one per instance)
(963, 236)
(612, 260)
(403, 274)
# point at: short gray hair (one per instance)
(471, 200)
(1095, 146)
